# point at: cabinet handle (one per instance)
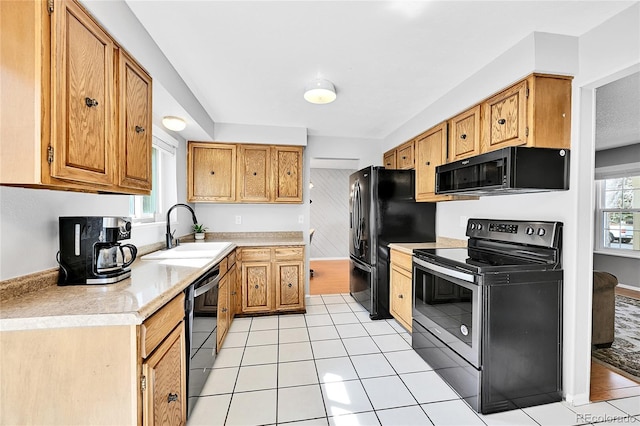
(290, 285)
(233, 293)
(404, 158)
(400, 296)
(224, 310)
(172, 397)
(428, 163)
(139, 129)
(388, 164)
(90, 102)
(463, 136)
(254, 173)
(502, 121)
(212, 172)
(257, 286)
(289, 173)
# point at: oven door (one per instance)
(447, 302)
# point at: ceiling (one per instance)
(248, 62)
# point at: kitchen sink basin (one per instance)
(190, 251)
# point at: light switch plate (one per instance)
(301, 218)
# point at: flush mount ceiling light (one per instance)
(320, 91)
(174, 123)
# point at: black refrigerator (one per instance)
(382, 210)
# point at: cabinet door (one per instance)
(389, 159)
(135, 126)
(235, 292)
(256, 290)
(289, 285)
(288, 174)
(223, 311)
(464, 134)
(404, 158)
(164, 396)
(401, 294)
(430, 153)
(254, 175)
(505, 118)
(83, 98)
(211, 172)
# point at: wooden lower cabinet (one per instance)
(272, 279)
(224, 313)
(164, 391)
(112, 374)
(401, 288)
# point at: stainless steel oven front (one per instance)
(447, 302)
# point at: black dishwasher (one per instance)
(200, 330)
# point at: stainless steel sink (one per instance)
(190, 251)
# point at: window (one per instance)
(143, 208)
(618, 220)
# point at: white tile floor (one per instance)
(334, 366)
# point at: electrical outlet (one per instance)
(301, 218)
(238, 220)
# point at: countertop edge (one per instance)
(441, 242)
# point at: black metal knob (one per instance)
(172, 397)
(257, 286)
(224, 310)
(212, 172)
(428, 163)
(290, 285)
(90, 102)
(139, 129)
(463, 136)
(289, 173)
(404, 158)
(254, 173)
(400, 296)
(502, 121)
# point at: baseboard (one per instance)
(629, 287)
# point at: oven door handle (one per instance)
(445, 271)
(205, 288)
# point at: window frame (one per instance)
(602, 245)
(138, 200)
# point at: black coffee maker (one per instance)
(90, 252)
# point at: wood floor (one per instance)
(332, 276)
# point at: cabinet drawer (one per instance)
(403, 260)
(224, 266)
(256, 254)
(155, 328)
(231, 259)
(289, 253)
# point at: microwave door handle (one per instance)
(445, 272)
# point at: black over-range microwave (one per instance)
(513, 169)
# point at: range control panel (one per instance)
(537, 233)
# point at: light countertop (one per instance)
(129, 302)
(441, 242)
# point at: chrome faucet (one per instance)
(169, 235)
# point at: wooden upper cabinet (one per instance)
(288, 174)
(67, 90)
(243, 173)
(505, 121)
(83, 98)
(464, 134)
(405, 155)
(431, 151)
(389, 159)
(533, 112)
(254, 182)
(135, 125)
(211, 172)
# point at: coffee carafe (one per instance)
(90, 251)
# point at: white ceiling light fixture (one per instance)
(174, 123)
(320, 91)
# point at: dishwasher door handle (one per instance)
(205, 288)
